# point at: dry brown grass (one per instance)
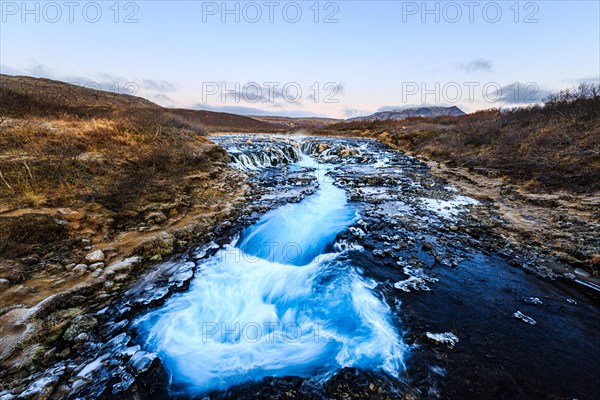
(113, 157)
(554, 147)
(61, 162)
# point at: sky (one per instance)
(337, 59)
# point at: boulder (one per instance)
(95, 256)
(80, 269)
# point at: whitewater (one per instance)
(278, 301)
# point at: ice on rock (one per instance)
(141, 361)
(130, 351)
(378, 253)
(124, 384)
(524, 318)
(183, 274)
(448, 209)
(43, 387)
(202, 251)
(417, 279)
(152, 294)
(359, 233)
(533, 300)
(344, 245)
(447, 338)
(93, 366)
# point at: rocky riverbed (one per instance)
(482, 316)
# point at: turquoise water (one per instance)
(276, 304)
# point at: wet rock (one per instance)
(378, 253)
(31, 260)
(42, 388)
(427, 246)
(569, 275)
(4, 283)
(580, 272)
(95, 256)
(64, 354)
(85, 370)
(183, 274)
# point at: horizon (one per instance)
(309, 60)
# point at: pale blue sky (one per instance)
(378, 54)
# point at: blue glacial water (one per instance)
(275, 303)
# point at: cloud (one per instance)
(100, 81)
(353, 112)
(519, 93)
(477, 65)
(589, 79)
(163, 100)
(157, 85)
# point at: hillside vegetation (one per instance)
(553, 146)
(80, 164)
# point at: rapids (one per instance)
(277, 302)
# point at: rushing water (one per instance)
(277, 302)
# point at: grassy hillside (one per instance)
(99, 163)
(554, 146)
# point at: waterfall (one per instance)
(277, 302)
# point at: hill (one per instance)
(213, 121)
(411, 112)
(27, 96)
(290, 123)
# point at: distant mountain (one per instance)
(411, 112)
